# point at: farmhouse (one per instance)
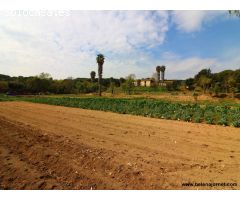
(149, 82)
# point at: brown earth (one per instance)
(187, 97)
(178, 97)
(54, 147)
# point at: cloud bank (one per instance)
(191, 21)
(67, 45)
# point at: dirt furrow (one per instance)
(70, 148)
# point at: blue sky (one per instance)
(132, 41)
(211, 41)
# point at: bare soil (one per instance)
(188, 97)
(54, 147)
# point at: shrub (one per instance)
(223, 121)
(236, 123)
(197, 119)
(209, 120)
(195, 96)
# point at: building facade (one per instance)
(149, 82)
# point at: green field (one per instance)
(221, 114)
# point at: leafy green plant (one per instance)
(197, 119)
(236, 123)
(207, 113)
(223, 121)
(209, 120)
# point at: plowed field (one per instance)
(54, 147)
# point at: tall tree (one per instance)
(44, 76)
(231, 84)
(203, 72)
(158, 70)
(93, 75)
(234, 12)
(163, 68)
(100, 60)
(204, 82)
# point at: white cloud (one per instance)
(182, 68)
(190, 21)
(188, 67)
(65, 46)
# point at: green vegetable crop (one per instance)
(222, 115)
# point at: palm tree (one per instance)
(93, 75)
(100, 60)
(163, 72)
(234, 12)
(158, 70)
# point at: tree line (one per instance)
(44, 84)
(227, 81)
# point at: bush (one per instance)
(3, 86)
(236, 123)
(209, 120)
(195, 96)
(197, 119)
(223, 121)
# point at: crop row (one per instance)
(222, 115)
